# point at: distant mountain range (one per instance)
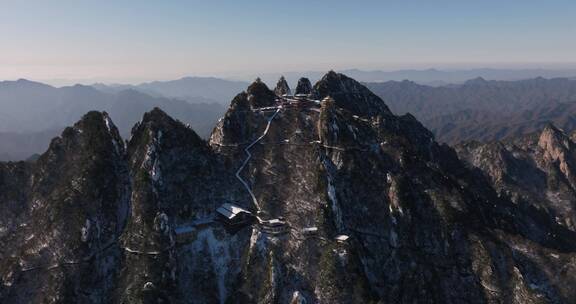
(191, 89)
(431, 77)
(20, 146)
(484, 110)
(32, 113)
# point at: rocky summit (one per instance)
(324, 196)
(282, 87)
(304, 86)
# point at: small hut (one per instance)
(234, 215)
(342, 238)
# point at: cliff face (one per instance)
(64, 214)
(534, 170)
(349, 204)
(423, 227)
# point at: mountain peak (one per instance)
(257, 87)
(350, 95)
(259, 95)
(95, 120)
(476, 81)
(156, 115)
(550, 127)
(93, 123)
(282, 87)
(24, 83)
(94, 134)
(551, 133)
(304, 86)
(557, 147)
(157, 121)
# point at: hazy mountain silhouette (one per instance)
(191, 89)
(483, 109)
(431, 77)
(479, 109)
(31, 113)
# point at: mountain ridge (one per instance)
(354, 205)
(191, 89)
(34, 112)
(484, 109)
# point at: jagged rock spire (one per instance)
(553, 138)
(304, 86)
(558, 149)
(282, 87)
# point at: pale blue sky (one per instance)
(140, 40)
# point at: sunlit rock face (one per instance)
(536, 170)
(345, 203)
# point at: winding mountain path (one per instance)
(249, 156)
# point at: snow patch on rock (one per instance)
(109, 125)
(85, 231)
(220, 256)
(337, 212)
